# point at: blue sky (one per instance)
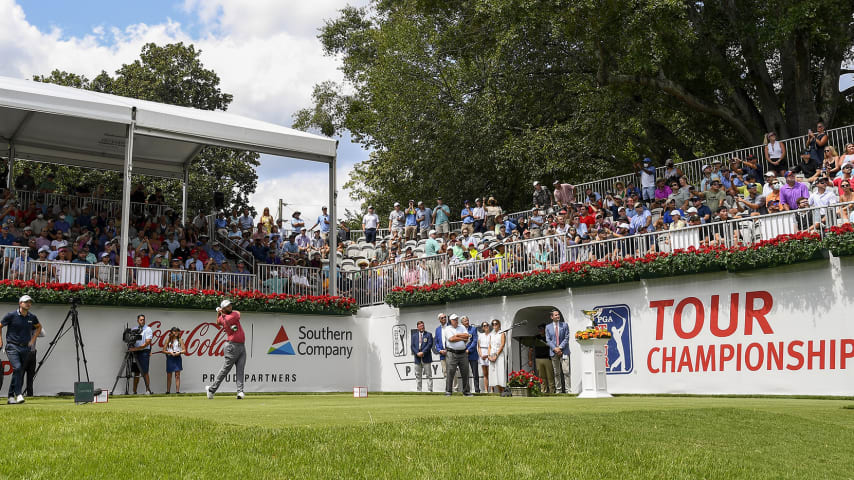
(265, 52)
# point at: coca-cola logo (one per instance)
(204, 340)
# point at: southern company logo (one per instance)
(281, 345)
(618, 320)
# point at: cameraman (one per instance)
(142, 354)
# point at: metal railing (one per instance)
(292, 280)
(96, 205)
(186, 279)
(14, 265)
(693, 169)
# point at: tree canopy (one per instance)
(172, 74)
(467, 98)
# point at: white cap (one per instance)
(224, 303)
(677, 213)
(25, 298)
(624, 225)
(536, 183)
(44, 249)
(431, 232)
(453, 317)
(274, 273)
(692, 210)
(706, 166)
(396, 204)
(770, 174)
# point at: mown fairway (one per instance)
(409, 436)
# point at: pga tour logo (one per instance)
(618, 320)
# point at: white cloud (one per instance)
(305, 191)
(265, 52)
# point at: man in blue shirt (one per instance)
(410, 224)
(246, 221)
(22, 329)
(323, 222)
(424, 217)
(6, 238)
(467, 215)
(441, 218)
(216, 254)
(61, 224)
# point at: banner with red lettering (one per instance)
(779, 331)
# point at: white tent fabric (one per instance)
(63, 125)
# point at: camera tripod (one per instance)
(126, 372)
(78, 342)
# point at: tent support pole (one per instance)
(333, 229)
(10, 178)
(184, 185)
(126, 186)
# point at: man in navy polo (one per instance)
(22, 328)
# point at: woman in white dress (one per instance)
(483, 353)
(497, 366)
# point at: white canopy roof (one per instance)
(55, 124)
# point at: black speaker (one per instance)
(219, 200)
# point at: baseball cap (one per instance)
(789, 172)
(692, 210)
(224, 303)
(536, 183)
(453, 317)
(770, 174)
(431, 232)
(647, 160)
(751, 185)
(25, 298)
(104, 254)
(677, 213)
(44, 249)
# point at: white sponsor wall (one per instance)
(328, 352)
(785, 330)
(771, 331)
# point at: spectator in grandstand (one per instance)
(303, 242)
(396, 220)
(297, 223)
(847, 158)
(441, 218)
(775, 154)
(467, 215)
(676, 220)
(646, 171)
(431, 247)
(422, 346)
(48, 185)
(816, 143)
(808, 166)
(246, 222)
(322, 224)
(792, 190)
(683, 193)
(714, 197)
(829, 167)
(216, 254)
(267, 220)
(822, 196)
(193, 263)
(411, 221)
(424, 219)
(844, 179)
(25, 181)
(343, 232)
(541, 197)
(564, 194)
(671, 173)
(641, 222)
(753, 203)
(370, 222)
(317, 242)
(536, 223)
(6, 238)
(493, 209)
(702, 211)
(662, 191)
(479, 215)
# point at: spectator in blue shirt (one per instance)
(641, 222)
(441, 218)
(410, 223)
(216, 254)
(246, 221)
(6, 238)
(467, 215)
(424, 217)
(61, 224)
(297, 224)
(323, 223)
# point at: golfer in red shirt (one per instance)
(228, 319)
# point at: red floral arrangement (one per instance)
(167, 297)
(521, 378)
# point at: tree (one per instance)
(497, 93)
(172, 74)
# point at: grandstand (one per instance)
(270, 260)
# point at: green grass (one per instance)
(408, 436)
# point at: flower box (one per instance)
(520, 392)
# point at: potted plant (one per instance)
(524, 384)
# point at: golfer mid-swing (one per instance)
(228, 319)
